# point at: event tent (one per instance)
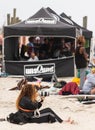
(42, 24)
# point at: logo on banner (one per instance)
(39, 69)
(40, 21)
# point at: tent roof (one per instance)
(42, 13)
(87, 33)
(42, 23)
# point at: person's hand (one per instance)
(42, 98)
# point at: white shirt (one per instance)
(35, 59)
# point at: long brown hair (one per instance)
(81, 40)
(28, 90)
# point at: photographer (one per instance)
(28, 104)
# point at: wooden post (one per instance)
(85, 21)
(12, 20)
(17, 20)
(8, 19)
(14, 15)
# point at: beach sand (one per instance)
(83, 115)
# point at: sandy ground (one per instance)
(84, 115)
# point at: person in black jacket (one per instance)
(28, 104)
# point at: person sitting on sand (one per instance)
(28, 104)
(89, 84)
(20, 84)
(24, 81)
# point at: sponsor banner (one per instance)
(64, 67)
(41, 21)
(39, 69)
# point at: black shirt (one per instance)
(80, 60)
(26, 103)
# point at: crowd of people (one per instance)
(46, 48)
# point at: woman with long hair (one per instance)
(81, 59)
(28, 104)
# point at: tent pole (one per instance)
(3, 60)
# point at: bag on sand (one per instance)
(18, 118)
(70, 88)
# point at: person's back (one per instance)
(80, 60)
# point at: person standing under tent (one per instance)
(30, 45)
(81, 59)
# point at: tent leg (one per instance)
(54, 78)
(3, 61)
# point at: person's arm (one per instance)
(40, 100)
(83, 51)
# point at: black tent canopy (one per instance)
(85, 32)
(41, 23)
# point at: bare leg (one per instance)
(69, 120)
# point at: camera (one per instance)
(44, 93)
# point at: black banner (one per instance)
(64, 67)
